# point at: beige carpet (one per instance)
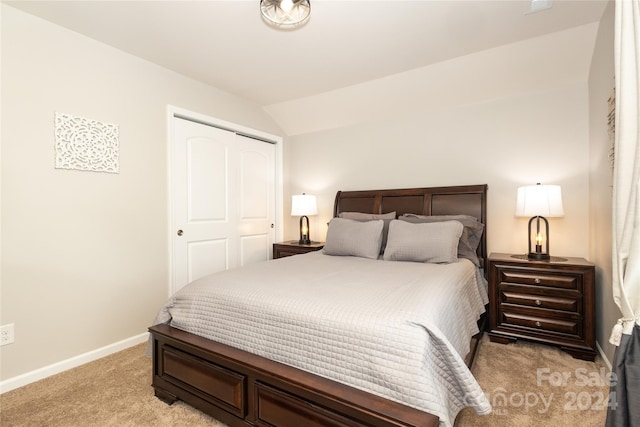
(534, 385)
(116, 391)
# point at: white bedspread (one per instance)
(396, 329)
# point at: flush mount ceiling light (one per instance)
(539, 5)
(286, 13)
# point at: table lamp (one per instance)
(539, 202)
(303, 205)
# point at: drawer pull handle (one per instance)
(537, 280)
(538, 302)
(538, 324)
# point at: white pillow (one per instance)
(435, 242)
(348, 237)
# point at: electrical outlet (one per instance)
(6, 334)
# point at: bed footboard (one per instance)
(242, 389)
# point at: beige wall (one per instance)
(84, 254)
(526, 138)
(601, 83)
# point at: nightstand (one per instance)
(549, 302)
(292, 247)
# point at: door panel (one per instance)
(202, 186)
(254, 248)
(207, 257)
(254, 186)
(207, 179)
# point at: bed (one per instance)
(290, 354)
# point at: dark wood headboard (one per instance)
(456, 200)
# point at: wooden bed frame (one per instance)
(242, 389)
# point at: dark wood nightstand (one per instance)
(292, 247)
(549, 302)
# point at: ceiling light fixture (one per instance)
(539, 5)
(286, 13)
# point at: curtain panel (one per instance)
(624, 409)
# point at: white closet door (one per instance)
(223, 200)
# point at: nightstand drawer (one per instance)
(539, 278)
(564, 326)
(542, 301)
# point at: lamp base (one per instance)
(304, 231)
(538, 256)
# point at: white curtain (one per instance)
(626, 217)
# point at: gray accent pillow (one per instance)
(361, 216)
(348, 237)
(435, 242)
(471, 234)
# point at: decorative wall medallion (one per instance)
(85, 144)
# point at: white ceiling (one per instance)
(227, 45)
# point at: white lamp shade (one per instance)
(539, 200)
(303, 204)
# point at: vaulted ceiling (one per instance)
(226, 44)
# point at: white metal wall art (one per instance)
(85, 144)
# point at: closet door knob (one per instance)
(180, 233)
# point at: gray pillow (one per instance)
(348, 237)
(471, 234)
(361, 216)
(435, 242)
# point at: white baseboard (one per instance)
(56, 368)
